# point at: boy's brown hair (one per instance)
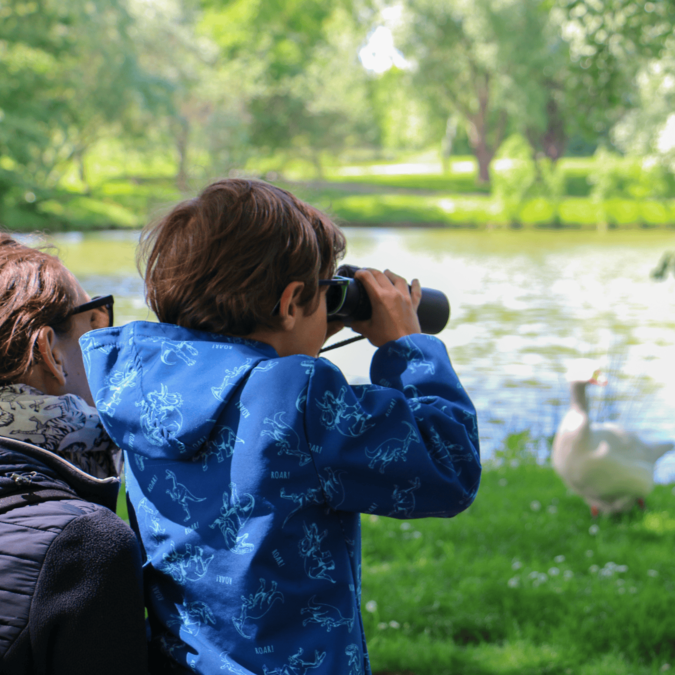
(34, 293)
(220, 262)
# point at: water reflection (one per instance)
(522, 304)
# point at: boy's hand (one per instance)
(394, 306)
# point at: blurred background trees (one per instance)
(193, 89)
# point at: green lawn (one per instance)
(524, 582)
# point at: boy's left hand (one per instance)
(394, 306)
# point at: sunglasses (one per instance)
(106, 301)
(335, 295)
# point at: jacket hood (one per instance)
(160, 388)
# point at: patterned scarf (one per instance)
(64, 425)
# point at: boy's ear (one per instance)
(289, 304)
(51, 358)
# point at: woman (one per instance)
(70, 572)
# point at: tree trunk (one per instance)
(553, 141)
(484, 157)
(478, 128)
(481, 149)
(318, 164)
(448, 142)
(82, 169)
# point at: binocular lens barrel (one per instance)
(433, 311)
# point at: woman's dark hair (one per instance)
(220, 262)
(34, 293)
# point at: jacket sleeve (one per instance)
(87, 614)
(405, 446)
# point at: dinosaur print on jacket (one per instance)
(248, 473)
(180, 494)
(256, 605)
(286, 438)
(233, 516)
(338, 414)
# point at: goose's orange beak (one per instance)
(598, 378)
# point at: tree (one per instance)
(596, 50)
(172, 49)
(464, 53)
(29, 103)
(648, 130)
(305, 90)
(106, 90)
(68, 74)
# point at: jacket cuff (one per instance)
(410, 358)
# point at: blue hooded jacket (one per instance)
(247, 472)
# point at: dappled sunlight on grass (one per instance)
(524, 582)
(660, 523)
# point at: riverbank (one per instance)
(411, 194)
(486, 212)
(89, 214)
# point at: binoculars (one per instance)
(349, 302)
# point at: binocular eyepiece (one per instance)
(353, 304)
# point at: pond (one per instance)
(523, 304)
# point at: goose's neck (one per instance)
(579, 402)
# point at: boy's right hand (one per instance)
(394, 306)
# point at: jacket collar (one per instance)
(101, 491)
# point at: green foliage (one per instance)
(446, 182)
(519, 448)
(128, 188)
(646, 181)
(69, 73)
(468, 60)
(405, 121)
(608, 42)
(524, 582)
(121, 509)
(666, 264)
(515, 180)
(649, 179)
(574, 75)
(304, 91)
(552, 178)
(608, 177)
(207, 88)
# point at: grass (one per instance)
(479, 210)
(436, 182)
(523, 583)
(126, 190)
(120, 206)
(120, 203)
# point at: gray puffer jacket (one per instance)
(71, 597)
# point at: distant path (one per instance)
(371, 188)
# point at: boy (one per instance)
(248, 458)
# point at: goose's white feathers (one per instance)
(608, 466)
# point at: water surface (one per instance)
(523, 304)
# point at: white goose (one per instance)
(608, 466)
